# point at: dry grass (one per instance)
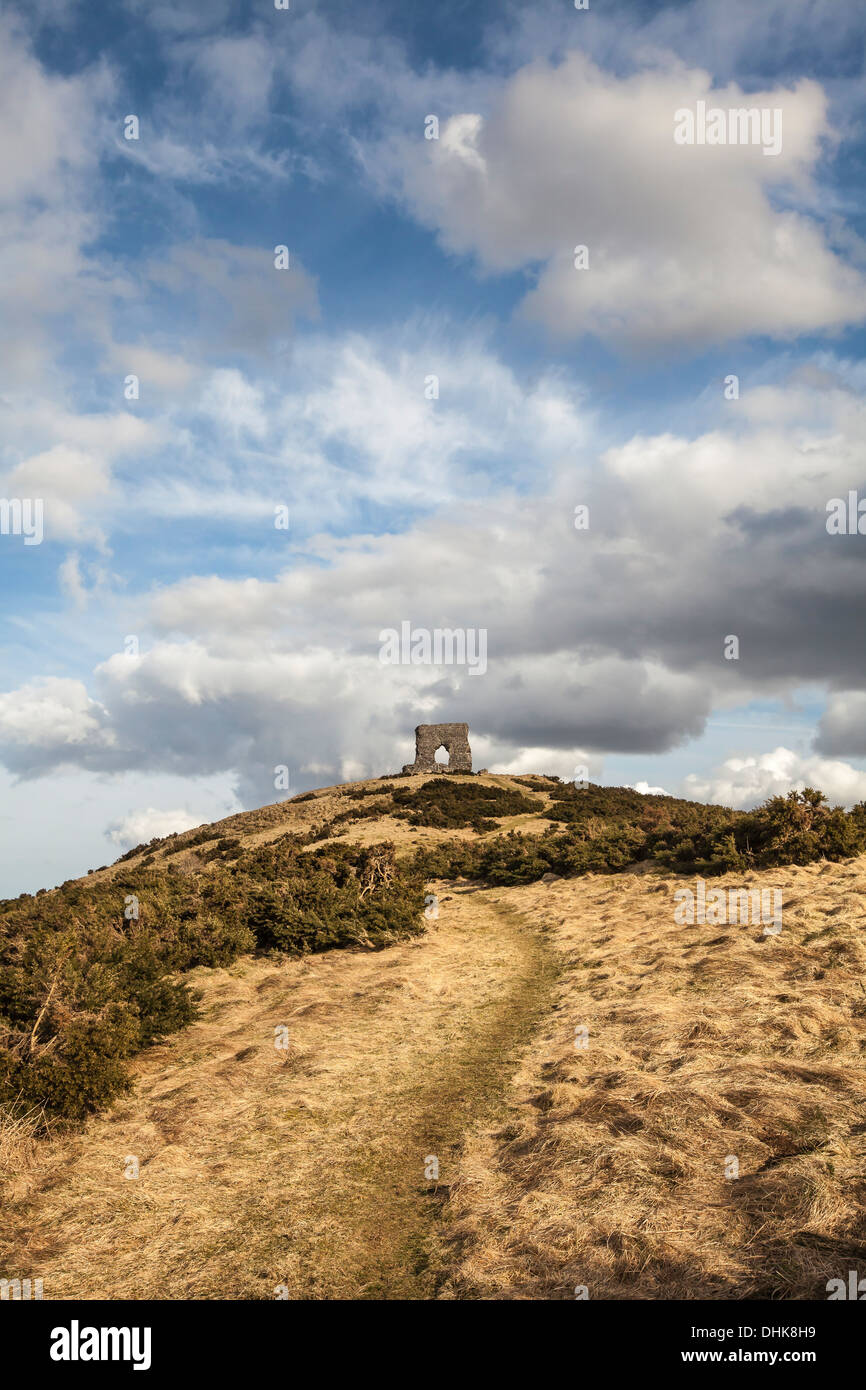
(705, 1042)
(558, 1167)
(19, 1127)
(268, 823)
(305, 1168)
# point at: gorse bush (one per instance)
(83, 986)
(93, 971)
(515, 858)
(336, 896)
(543, 783)
(794, 829)
(608, 828)
(448, 804)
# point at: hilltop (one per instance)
(315, 1000)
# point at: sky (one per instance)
(249, 470)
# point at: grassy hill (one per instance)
(139, 1008)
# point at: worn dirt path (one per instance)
(260, 1168)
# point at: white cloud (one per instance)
(235, 403)
(49, 121)
(356, 424)
(71, 582)
(54, 830)
(369, 396)
(609, 639)
(53, 713)
(239, 301)
(52, 133)
(745, 782)
(843, 726)
(75, 477)
(686, 243)
(141, 826)
(154, 368)
(567, 766)
(181, 22)
(212, 119)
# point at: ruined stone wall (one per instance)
(454, 738)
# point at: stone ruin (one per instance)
(454, 738)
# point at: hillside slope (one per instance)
(306, 1167)
(706, 1142)
(705, 1044)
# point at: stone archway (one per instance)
(429, 738)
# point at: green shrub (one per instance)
(543, 783)
(607, 828)
(82, 987)
(447, 804)
(87, 1071)
(335, 896)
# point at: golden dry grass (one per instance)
(704, 1043)
(20, 1124)
(268, 823)
(306, 1168)
(559, 1167)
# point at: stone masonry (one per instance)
(454, 738)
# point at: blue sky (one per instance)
(258, 388)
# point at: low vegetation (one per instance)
(605, 1166)
(447, 804)
(706, 1138)
(92, 972)
(609, 828)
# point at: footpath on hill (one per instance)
(307, 1168)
